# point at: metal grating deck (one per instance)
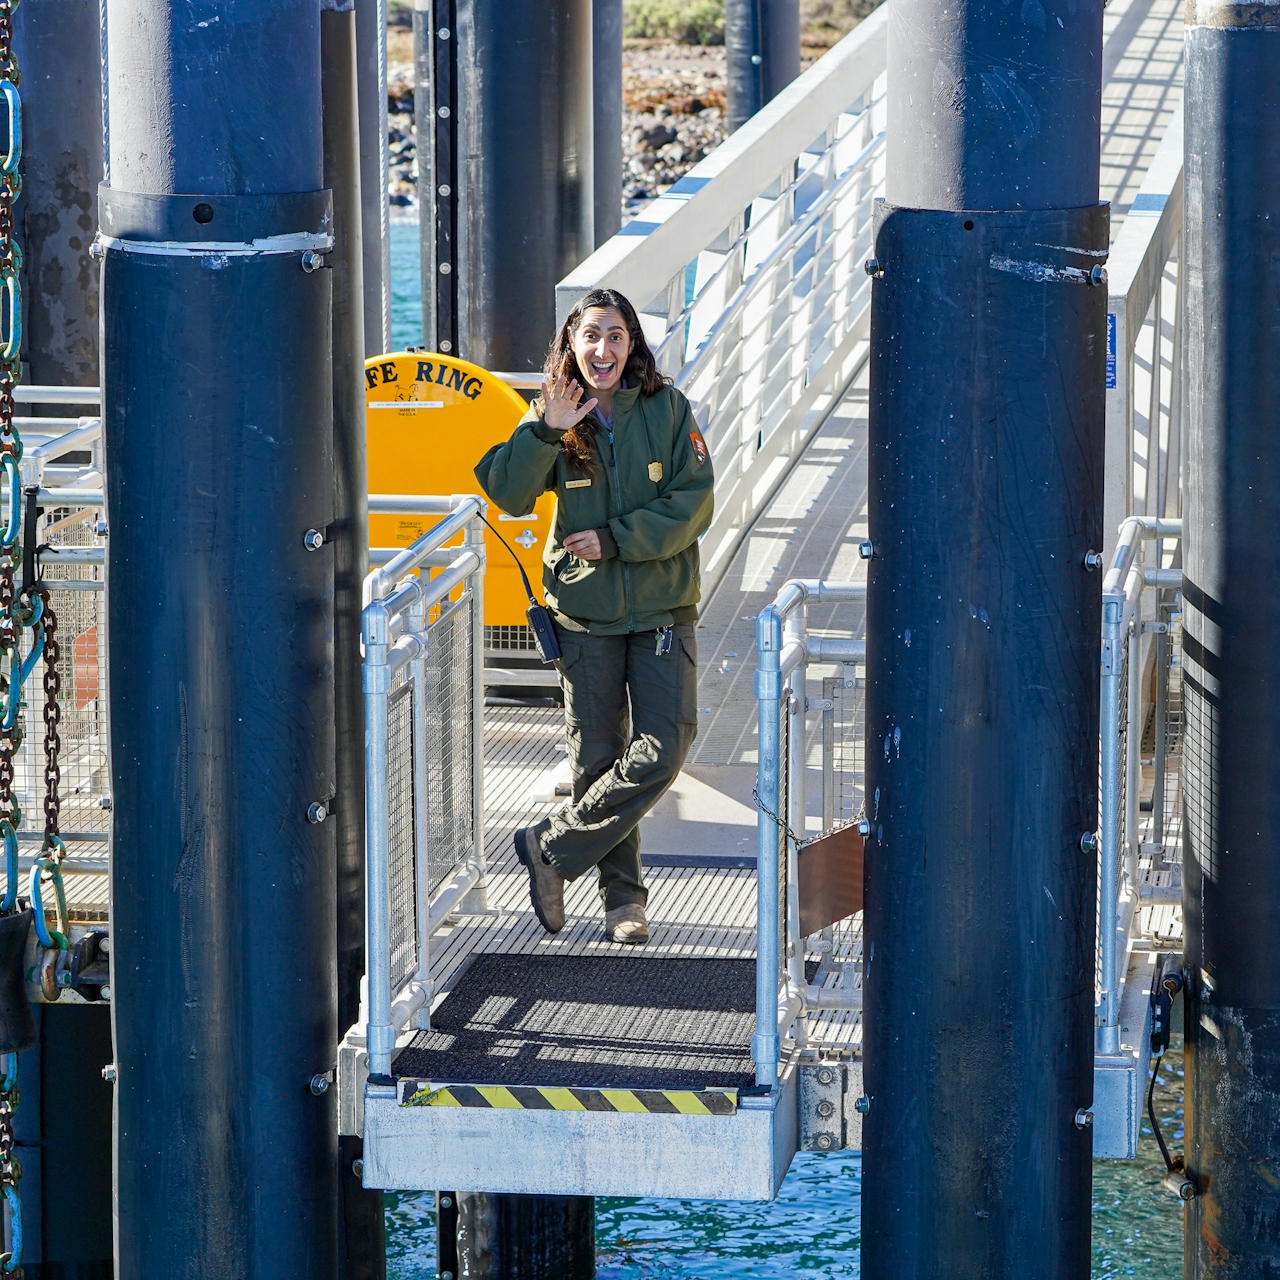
(596, 1022)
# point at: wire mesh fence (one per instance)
(85, 785)
(447, 726)
(402, 868)
(431, 777)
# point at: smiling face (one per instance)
(601, 345)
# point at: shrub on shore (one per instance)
(687, 21)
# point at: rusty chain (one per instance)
(15, 613)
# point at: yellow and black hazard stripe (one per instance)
(519, 1097)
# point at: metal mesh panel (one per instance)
(402, 860)
(518, 638)
(848, 694)
(849, 760)
(1172, 798)
(85, 784)
(446, 726)
(784, 794)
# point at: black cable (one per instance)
(524, 577)
(1151, 1112)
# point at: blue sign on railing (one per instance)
(1111, 349)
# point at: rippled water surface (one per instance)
(810, 1231)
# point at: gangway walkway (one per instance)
(606, 1045)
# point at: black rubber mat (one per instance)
(602, 1022)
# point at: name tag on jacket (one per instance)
(578, 484)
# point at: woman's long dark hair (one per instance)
(641, 368)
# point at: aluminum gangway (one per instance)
(748, 274)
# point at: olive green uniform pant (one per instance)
(631, 715)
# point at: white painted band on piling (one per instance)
(294, 242)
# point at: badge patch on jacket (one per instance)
(699, 447)
(655, 471)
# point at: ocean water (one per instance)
(811, 1231)
(406, 285)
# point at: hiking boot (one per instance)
(546, 884)
(626, 924)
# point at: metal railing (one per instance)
(748, 275)
(784, 650)
(424, 760)
(1139, 605)
(62, 464)
(1145, 339)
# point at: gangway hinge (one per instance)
(830, 1118)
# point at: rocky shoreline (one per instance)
(673, 114)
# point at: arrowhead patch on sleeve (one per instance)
(699, 447)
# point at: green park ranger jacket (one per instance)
(649, 497)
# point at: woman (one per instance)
(632, 478)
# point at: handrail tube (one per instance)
(834, 649)
(70, 497)
(407, 1003)
(35, 393)
(766, 1042)
(416, 618)
(377, 584)
(520, 381)
(1108, 1015)
(430, 591)
(90, 429)
(408, 647)
(386, 504)
(1132, 531)
(379, 557)
(836, 592)
(1162, 577)
(475, 538)
(790, 1007)
(795, 591)
(794, 653)
(71, 555)
(815, 997)
(464, 880)
(793, 633)
(791, 595)
(376, 681)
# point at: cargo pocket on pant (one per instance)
(687, 681)
(572, 667)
